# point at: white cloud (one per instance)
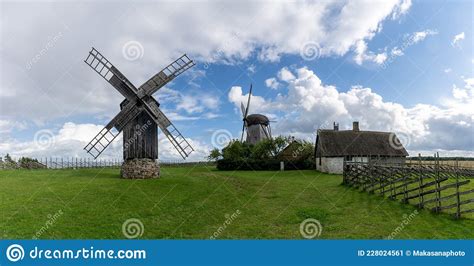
(396, 51)
(252, 68)
(310, 104)
(193, 104)
(458, 38)
(469, 82)
(196, 103)
(59, 84)
(70, 140)
(421, 35)
(272, 83)
(269, 54)
(380, 58)
(362, 55)
(7, 126)
(384, 59)
(447, 70)
(285, 75)
(401, 9)
(236, 96)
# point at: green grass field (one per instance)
(193, 202)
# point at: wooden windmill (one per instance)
(139, 113)
(257, 126)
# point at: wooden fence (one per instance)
(75, 163)
(435, 187)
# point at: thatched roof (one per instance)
(257, 119)
(335, 143)
(293, 152)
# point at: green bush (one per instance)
(268, 164)
(29, 163)
(265, 155)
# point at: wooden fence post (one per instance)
(344, 171)
(458, 197)
(438, 185)
(420, 192)
(405, 171)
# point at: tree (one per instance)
(279, 143)
(214, 155)
(270, 148)
(237, 150)
(8, 159)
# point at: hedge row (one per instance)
(271, 164)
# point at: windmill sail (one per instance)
(137, 101)
(167, 74)
(245, 113)
(171, 132)
(248, 102)
(98, 144)
(111, 74)
(242, 108)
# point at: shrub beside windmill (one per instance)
(138, 118)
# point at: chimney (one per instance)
(336, 126)
(355, 126)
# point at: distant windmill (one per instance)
(138, 118)
(256, 125)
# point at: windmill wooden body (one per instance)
(138, 118)
(257, 126)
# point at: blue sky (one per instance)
(393, 66)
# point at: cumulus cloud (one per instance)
(71, 138)
(401, 9)
(397, 51)
(457, 38)
(285, 75)
(310, 104)
(421, 35)
(45, 78)
(362, 55)
(272, 83)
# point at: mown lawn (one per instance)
(192, 202)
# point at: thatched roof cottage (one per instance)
(334, 146)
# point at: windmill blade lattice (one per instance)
(138, 107)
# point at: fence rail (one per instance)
(435, 187)
(76, 163)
